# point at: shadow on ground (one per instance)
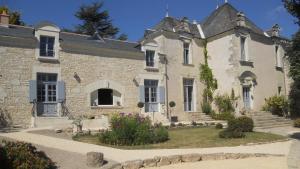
(296, 136)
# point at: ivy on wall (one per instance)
(207, 77)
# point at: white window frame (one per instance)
(50, 31)
(278, 56)
(46, 47)
(149, 60)
(244, 48)
(186, 55)
(186, 96)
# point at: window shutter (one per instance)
(32, 91)
(142, 94)
(161, 94)
(61, 94)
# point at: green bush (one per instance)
(160, 134)
(277, 105)
(219, 126)
(19, 155)
(297, 123)
(206, 108)
(231, 134)
(224, 103)
(244, 124)
(223, 116)
(132, 130)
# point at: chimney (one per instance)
(240, 19)
(275, 30)
(4, 19)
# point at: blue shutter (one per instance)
(32, 91)
(161, 94)
(142, 94)
(61, 94)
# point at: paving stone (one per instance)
(191, 157)
(151, 162)
(136, 164)
(94, 159)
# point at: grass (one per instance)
(192, 138)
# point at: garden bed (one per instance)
(200, 137)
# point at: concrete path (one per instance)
(280, 148)
(293, 158)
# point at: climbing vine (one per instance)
(207, 77)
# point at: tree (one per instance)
(123, 37)
(95, 21)
(14, 16)
(293, 53)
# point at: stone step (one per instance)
(271, 126)
(52, 122)
(264, 120)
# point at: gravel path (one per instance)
(281, 148)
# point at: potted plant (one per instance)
(140, 105)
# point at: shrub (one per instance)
(297, 123)
(245, 124)
(277, 105)
(132, 130)
(23, 156)
(160, 134)
(140, 105)
(231, 134)
(172, 104)
(193, 123)
(223, 116)
(219, 126)
(206, 108)
(224, 103)
(172, 125)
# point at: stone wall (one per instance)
(18, 66)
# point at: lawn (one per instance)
(192, 138)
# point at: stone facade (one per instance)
(86, 65)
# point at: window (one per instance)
(47, 46)
(188, 94)
(46, 87)
(278, 59)
(105, 97)
(279, 90)
(243, 49)
(150, 58)
(151, 104)
(186, 53)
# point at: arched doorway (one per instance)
(248, 81)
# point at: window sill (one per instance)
(151, 68)
(189, 64)
(50, 59)
(246, 63)
(107, 107)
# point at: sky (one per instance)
(133, 17)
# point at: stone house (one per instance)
(48, 73)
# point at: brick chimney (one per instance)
(4, 19)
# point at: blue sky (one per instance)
(134, 16)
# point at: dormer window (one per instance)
(47, 46)
(186, 53)
(150, 58)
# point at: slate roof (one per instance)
(170, 23)
(20, 36)
(224, 19)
